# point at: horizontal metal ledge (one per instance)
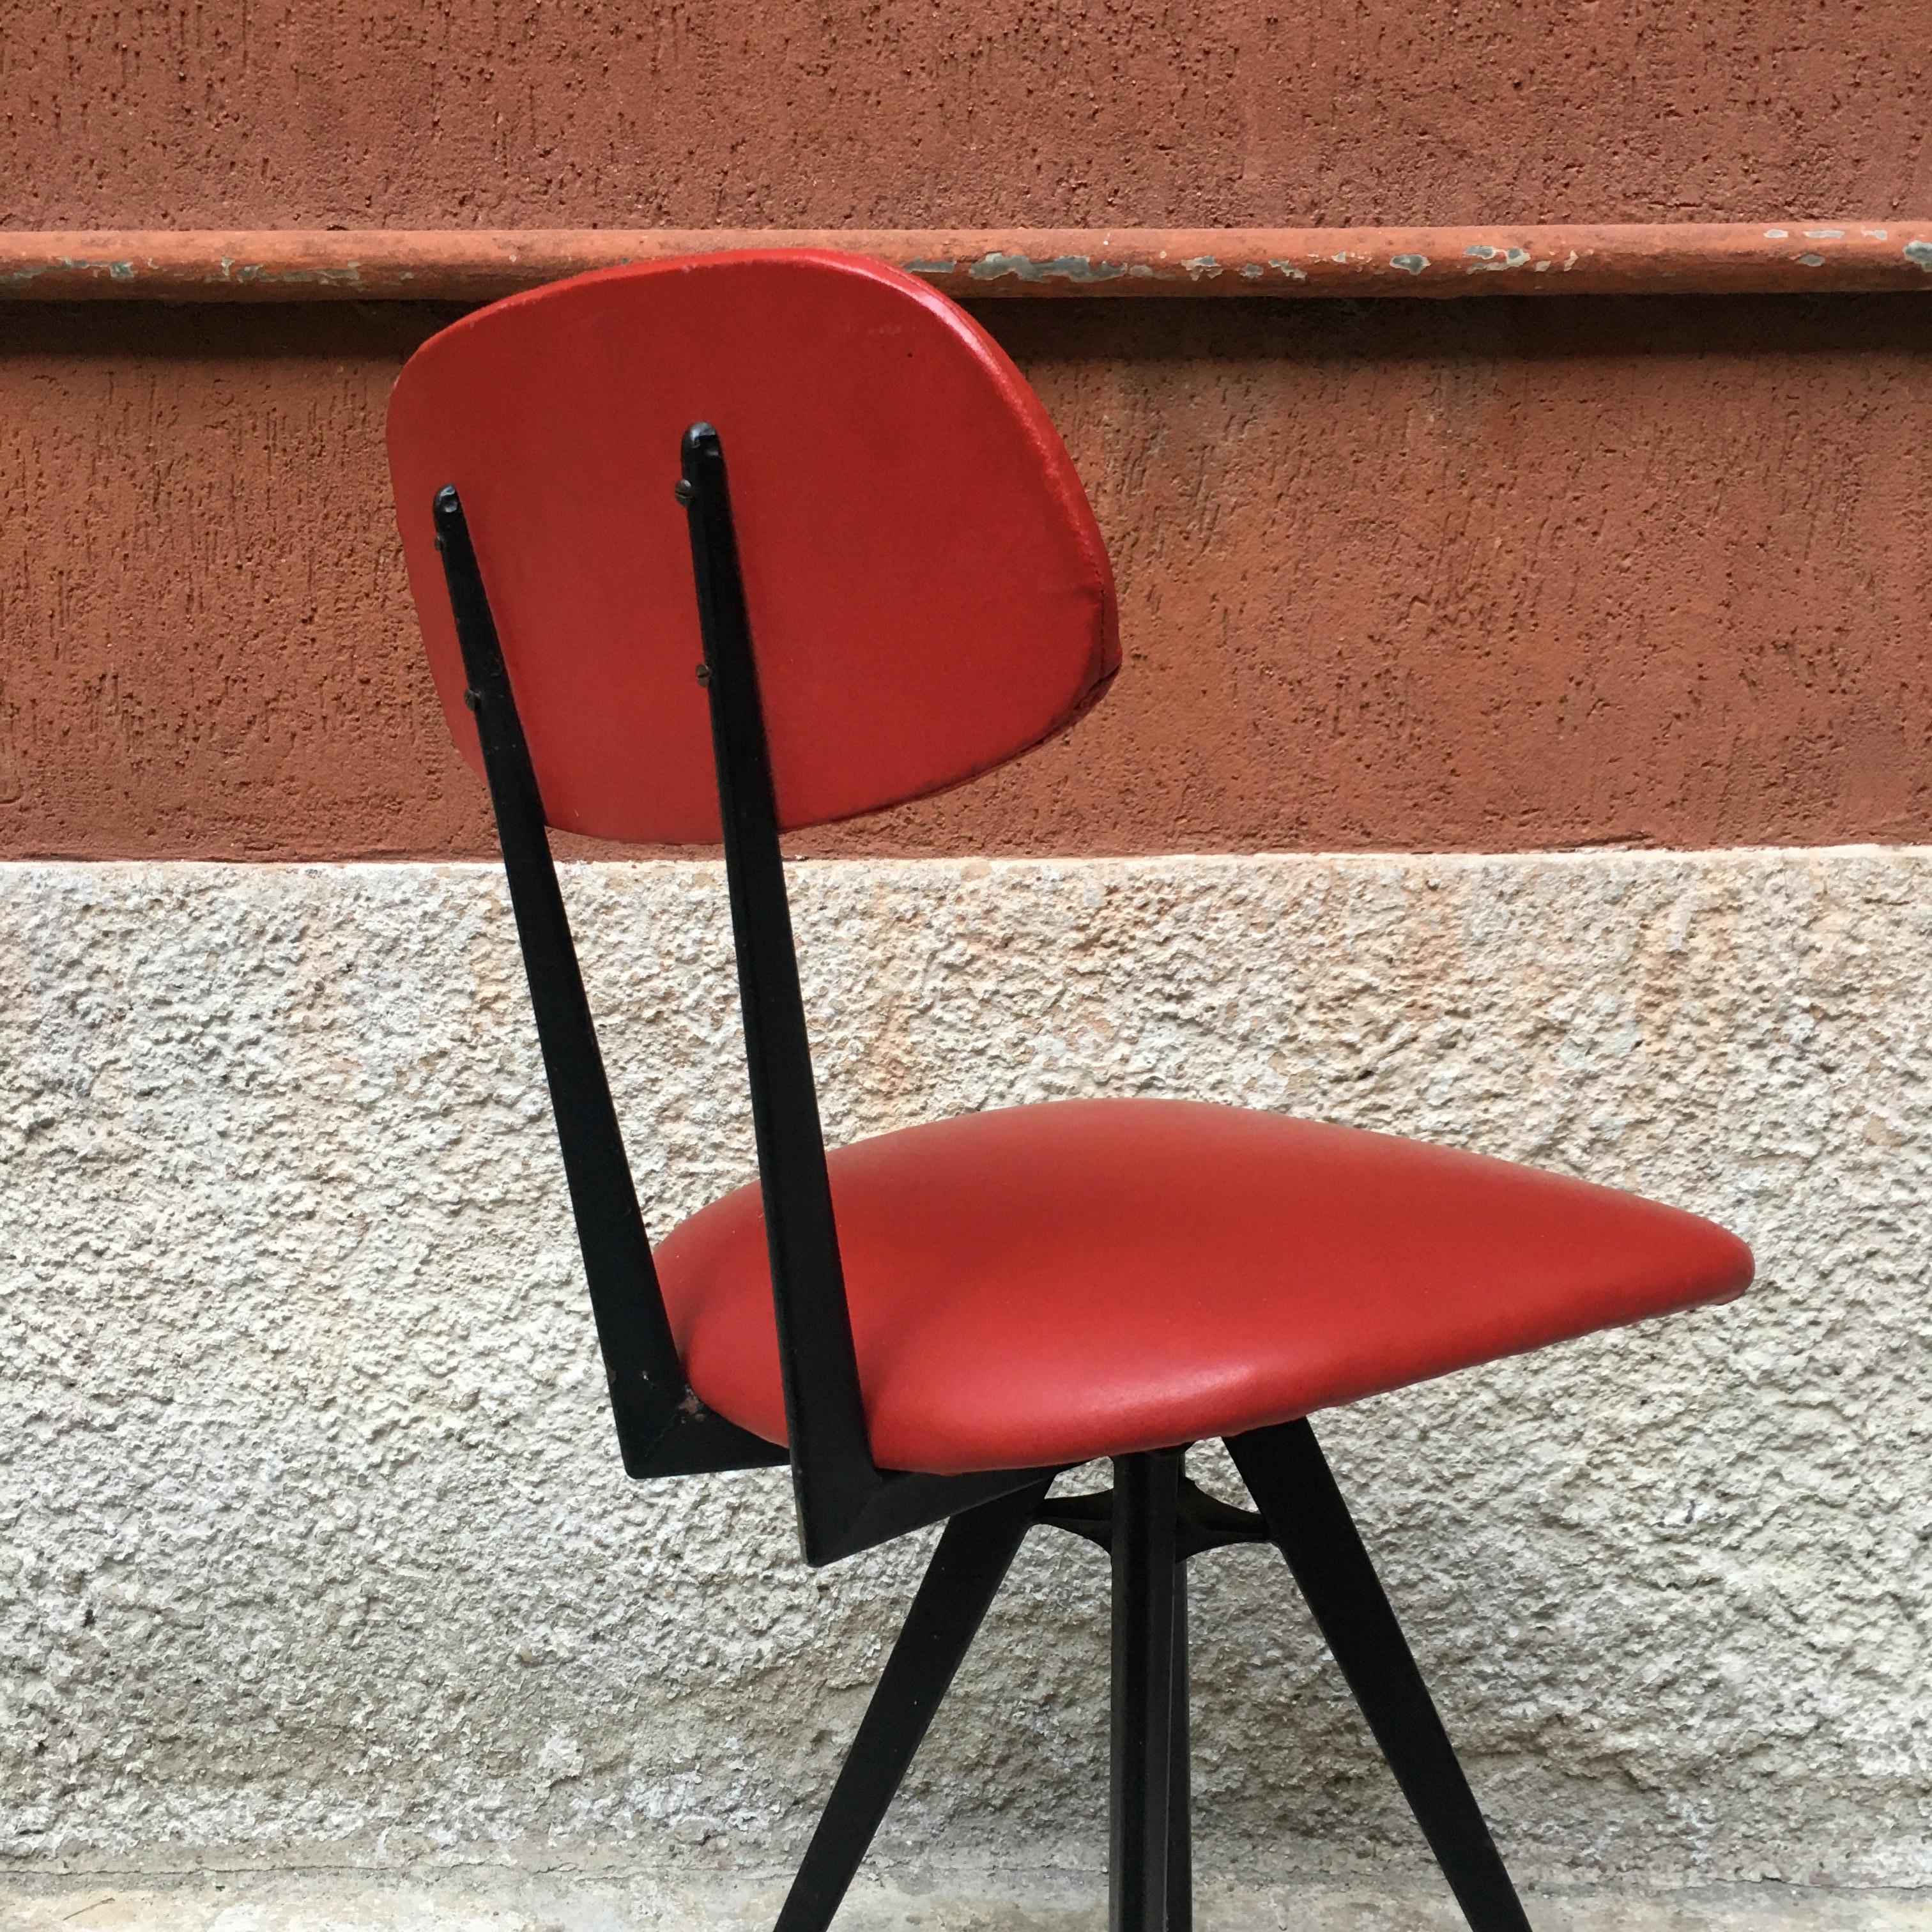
(479, 265)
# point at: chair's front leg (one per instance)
(1180, 1773)
(959, 1588)
(1146, 1489)
(1290, 1481)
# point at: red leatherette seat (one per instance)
(1048, 1284)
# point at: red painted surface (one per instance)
(1411, 576)
(260, 113)
(1768, 257)
(1455, 575)
(1045, 1284)
(929, 594)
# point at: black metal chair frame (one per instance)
(1153, 1520)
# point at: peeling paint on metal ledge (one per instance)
(1058, 268)
(119, 269)
(347, 275)
(1489, 257)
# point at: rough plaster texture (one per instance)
(501, 1898)
(1451, 576)
(313, 1545)
(267, 113)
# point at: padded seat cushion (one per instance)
(1040, 1286)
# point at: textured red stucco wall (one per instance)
(1470, 576)
(1477, 576)
(555, 113)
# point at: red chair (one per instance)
(902, 587)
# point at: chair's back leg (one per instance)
(1180, 1773)
(1146, 1491)
(959, 1588)
(1289, 1479)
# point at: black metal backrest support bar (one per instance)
(824, 1414)
(845, 1502)
(649, 1396)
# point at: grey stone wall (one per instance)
(314, 1544)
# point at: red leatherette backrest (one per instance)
(928, 593)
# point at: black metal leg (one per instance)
(1289, 1479)
(959, 1585)
(1146, 1490)
(1179, 1774)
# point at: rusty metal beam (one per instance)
(479, 265)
